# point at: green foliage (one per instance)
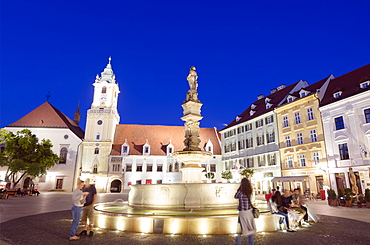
(348, 194)
(367, 195)
(332, 195)
(24, 154)
(340, 193)
(210, 175)
(226, 174)
(247, 172)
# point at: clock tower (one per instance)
(101, 122)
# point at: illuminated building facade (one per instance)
(301, 138)
(345, 111)
(251, 139)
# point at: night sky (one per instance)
(240, 48)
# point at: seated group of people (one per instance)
(290, 207)
(27, 191)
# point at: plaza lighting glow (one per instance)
(145, 225)
(204, 235)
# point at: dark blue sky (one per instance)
(241, 49)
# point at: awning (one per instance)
(291, 178)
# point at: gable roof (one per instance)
(47, 116)
(348, 84)
(259, 106)
(159, 137)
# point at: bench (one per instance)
(12, 192)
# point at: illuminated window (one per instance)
(272, 160)
(316, 157)
(302, 160)
(339, 123)
(289, 161)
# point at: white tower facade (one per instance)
(101, 122)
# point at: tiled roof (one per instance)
(348, 84)
(159, 137)
(275, 99)
(47, 116)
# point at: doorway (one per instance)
(115, 186)
(59, 184)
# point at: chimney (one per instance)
(260, 96)
(281, 87)
(273, 90)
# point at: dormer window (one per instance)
(303, 93)
(337, 94)
(365, 84)
(237, 118)
(290, 98)
(253, 106)
(170, 149)
(268, 106)
(125, 149)
(146, 149)
(267, 100)
(251, 112)
(209, 146)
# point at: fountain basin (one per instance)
(184, 196)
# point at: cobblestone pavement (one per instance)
(52, 228)
(47, 219)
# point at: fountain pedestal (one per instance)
(192, 172)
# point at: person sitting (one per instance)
(277, 208)
(35, 192)
(287, 204)
(297, 204)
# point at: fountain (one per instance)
(189, 207)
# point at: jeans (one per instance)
(285, 218)
(238, 240)
(76, 215)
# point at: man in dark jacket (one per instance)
(88, 209)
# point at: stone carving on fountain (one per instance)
(192, 155)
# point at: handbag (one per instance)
(256, 212)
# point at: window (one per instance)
(63, 155)
(343, 151)
(299, 139)
(125, 149)
(261, 161)
(367, 115)
(249, 143)
(128, 168)
(139, 168)
(339, 123)
(285, 122)
(365, 84)
(227, 148)
(248, 127)
(290, 99)
(289, 161)
(212, 167)
(100, 122)
(146, 150)
(95, 169)
(269, 120)
(159, 168)
(259, 123)
(302, 94)
(104, 90)
(287, 141)
(233, 147)
(272, 159)
(116, 167)
(302, 160)
(98, 136)
(149, 168)
(316, 157)
(337, 94)
(260, 140)
(96, 151)
(310, 115)
(270, 137)
(241, 144)
(297, 117)
(313, 135)
(250, 162)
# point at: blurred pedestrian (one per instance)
(88, 209)
(78, 200)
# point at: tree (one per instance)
(247, 172)
(23, 154)
(227, 175)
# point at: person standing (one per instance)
(88, 209)
(78, 200)
(245, 218)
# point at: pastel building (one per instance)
(301, 138)
(345, 111)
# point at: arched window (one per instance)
(96, 151)
(63, 155)
(104, 90)
(95, 169)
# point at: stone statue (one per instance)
(352, 179)
(193, 79)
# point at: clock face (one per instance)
(103, 97)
